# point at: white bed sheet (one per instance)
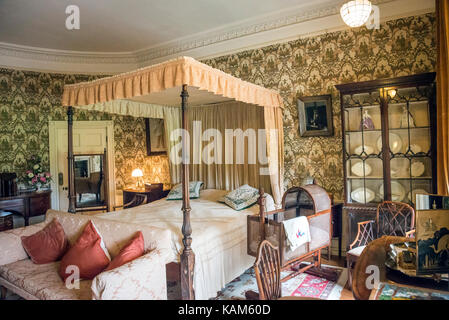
(219, 236)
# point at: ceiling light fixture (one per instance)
(356, 13)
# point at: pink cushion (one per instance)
(47, 245)
(88, 253)
(133, 250)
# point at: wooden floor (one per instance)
(346, 293)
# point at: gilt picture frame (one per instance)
(315, 116)
(155, 137)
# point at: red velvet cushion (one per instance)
(88, 253)
(47, 245)
(133, 250)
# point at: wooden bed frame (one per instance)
(187, 256)
(177, 73)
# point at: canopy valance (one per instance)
(161, 83)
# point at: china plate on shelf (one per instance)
(357, 169)
(368, 150)
(397, 191)
(395, 143)
(415, 148)
(412, 195)
(401, 172)
(418, 169)
(359, 195)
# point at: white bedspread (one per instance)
(219, 236)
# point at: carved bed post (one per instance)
(261, 202)
(187, 256)
(71, 181)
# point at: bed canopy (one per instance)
(163, 91)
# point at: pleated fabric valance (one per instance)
(144, 85)
(154, 92)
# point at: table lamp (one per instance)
(138, 174)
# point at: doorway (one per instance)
(90, 140)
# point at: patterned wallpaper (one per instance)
(309, 66)
(28, 100)
(312, 66)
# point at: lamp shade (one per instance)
(355, 13)
(137, 173)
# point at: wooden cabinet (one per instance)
(152, 194)
(389, 143)
(27, 204)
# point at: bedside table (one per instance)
(153, 194)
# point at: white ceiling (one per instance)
(124, 26)
(121, 35)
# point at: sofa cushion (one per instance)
(133, 250)
(89, 254)
(115, 234)
(43, 281)
(47, 245)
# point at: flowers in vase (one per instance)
(36, 176)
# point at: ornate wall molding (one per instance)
(253, 33)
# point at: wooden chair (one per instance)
(392, 219)
(267, 269)
(138, 200)
(374, 254)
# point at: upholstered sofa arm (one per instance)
(11, 249)
(140, 279)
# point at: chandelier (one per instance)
(355, 13)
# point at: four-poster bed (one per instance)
(153, 92)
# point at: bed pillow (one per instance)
(242, 197)
(194, 191)
(47, 245)
(89, 254)
(133, 250)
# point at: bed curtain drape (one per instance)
(153, 92)
(442, 12)
(227, 158)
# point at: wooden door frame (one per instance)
(53, 126)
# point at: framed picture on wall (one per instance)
(315, 116)
(155, 136)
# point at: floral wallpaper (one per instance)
(304, 67)
(29, 100)
(312, 66)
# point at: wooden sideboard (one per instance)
(27, 204)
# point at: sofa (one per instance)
(143, 278)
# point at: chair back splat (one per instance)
(268, 271)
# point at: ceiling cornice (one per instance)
(257, 32)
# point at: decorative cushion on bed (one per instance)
(133, 250)
(47, 245)
(194, 191)
(242, 197)
(89, 254)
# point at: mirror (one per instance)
(90, 182)
(432, 202)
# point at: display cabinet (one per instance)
(389, 145)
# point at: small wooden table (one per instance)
(152, 195)
(27, 204)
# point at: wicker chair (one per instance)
(392, 219)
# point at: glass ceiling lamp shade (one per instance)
(355, 13)
(138, 174)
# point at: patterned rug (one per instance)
(303, 285)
